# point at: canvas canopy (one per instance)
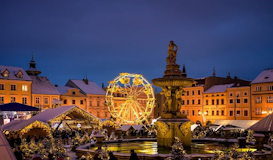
(243, 124)
(264, 125)
(5, 149)
(17, 107)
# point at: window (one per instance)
(158, 114)
(222, 101)
(157, 105)
(81, 101)
(193, 101)
(188, 112)
(217, 113)
(37, 100)
(90, 103)
(183, 111)
(193, 93)
(12, 99)
(258, 99)
(222, 94)
(65, 101)
(207, 95)
(199, 92)
(73, 93)
(231, 113)
(246, 113)
(231, 101)
(237, 94)
(222, 112)
(270, 110)
(24, 87)
(217, 95)
(98, 114)
(193, 112)
(230, 95)
(258, 88)
(212, 113)
(245, 93)
(245, 100)
(73, 101)
(46, 101)
(212, 95)
(258, 111)
(98, 103)
(199, 112)
(270, 88)
(238, 113)
(199, 101)
(188, 102)
(238, 100)
(13, 87)
(105, 114)
(1, 100)
(212, 102)
(115, 104)
(269, 99)
(24, 100)
(188, 93)
(2, 87)
(183, 102)
(217, 101)
(207, 102)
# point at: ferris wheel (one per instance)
(130, 98)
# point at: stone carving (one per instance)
(185, 128)
(162, 127)
(178, 94)
(167, 92)
(171, 59)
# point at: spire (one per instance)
(214, 74)
(228, 76)
(184, 74)
(85, 80)
(32, 67)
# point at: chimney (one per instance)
(56, 85)
(228, 76)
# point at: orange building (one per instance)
(262, 94)
(15, 85)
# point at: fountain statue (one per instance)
(173, 123)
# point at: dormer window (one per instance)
(19, 74)
(5, 73)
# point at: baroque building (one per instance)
(15, 85)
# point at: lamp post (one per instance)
(235, 106)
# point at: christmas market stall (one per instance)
(5, 149)
(28, 127)
(68, 117)
(109, 125)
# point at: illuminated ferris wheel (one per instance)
(130, 98)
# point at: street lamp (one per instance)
(235, 106)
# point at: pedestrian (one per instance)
(112, 157)
(36, 156)
(133, 155)
(18, 154)
(18, 140)
(50, 157)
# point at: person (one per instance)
(133, 155)
(18, 154)
(96, 157)
(98, 150)
(112, 157)
(50, 157)
(36, 156)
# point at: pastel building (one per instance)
(15, 85)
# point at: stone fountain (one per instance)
(172, 123)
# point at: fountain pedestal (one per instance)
(173, 123)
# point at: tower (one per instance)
(32, 71)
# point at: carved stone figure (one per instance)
(168, 95)
(171, 59)
(178, 94)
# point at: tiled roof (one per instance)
(264, 76)
(42, 85)
(218, 88)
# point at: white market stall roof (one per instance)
(265, 76)
(194, 126)
(125, 127)
(264, 125)
(5, 150)
(218, 88)
(244, 124)
(138, 127)
(51, 114)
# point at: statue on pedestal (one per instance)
(171, 59)
(167, 92)
(178, 94)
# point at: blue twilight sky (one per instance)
(71, 38)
